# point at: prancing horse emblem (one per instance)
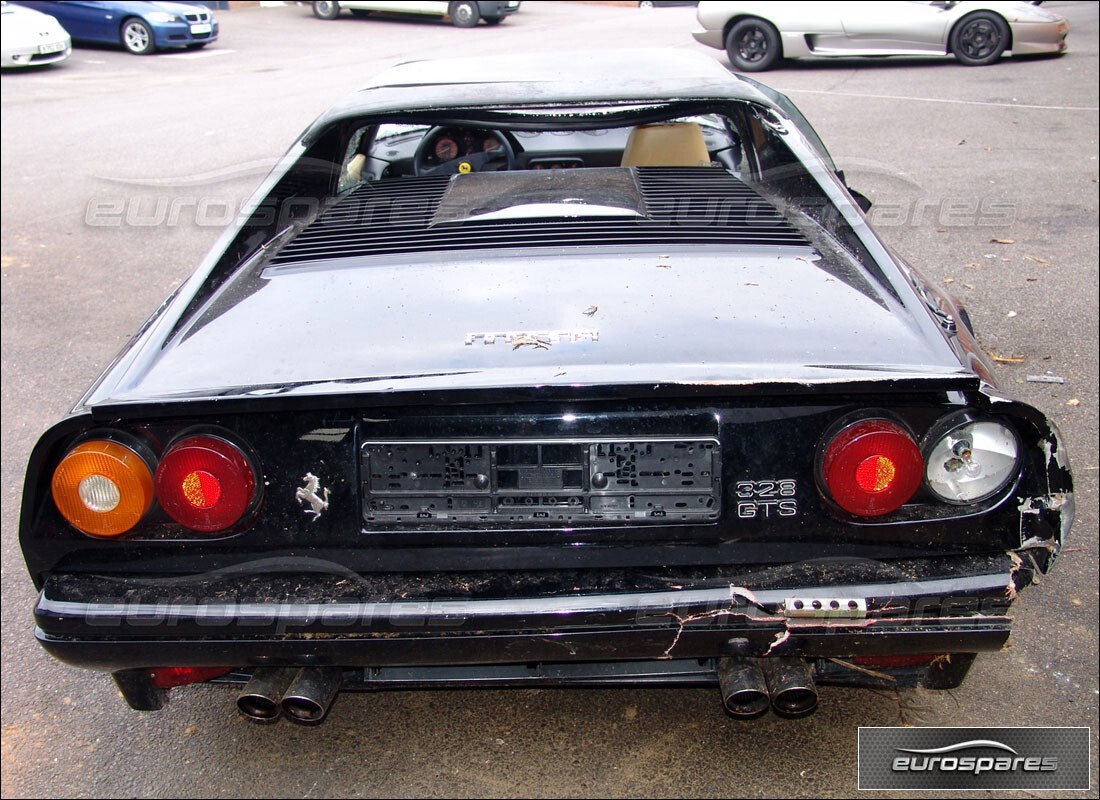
(310, 494)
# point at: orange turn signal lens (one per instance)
(102, 488)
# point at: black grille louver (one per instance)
(683, 205)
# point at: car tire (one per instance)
(753, 45)
(137, 37)
(493, 20)
(465, 14)
(979, 38)
(326, 9)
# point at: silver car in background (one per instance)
(756, 36)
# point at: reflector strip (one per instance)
(170, 677)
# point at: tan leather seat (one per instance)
(354, 168)
(666, 144)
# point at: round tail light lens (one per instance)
(972, 461)
(205, 483)
(871, 467)
(102, 487)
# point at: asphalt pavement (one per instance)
(118, 172)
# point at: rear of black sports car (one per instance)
(700, 427)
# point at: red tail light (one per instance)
(168, 677)
(205, 483)
(871, 468)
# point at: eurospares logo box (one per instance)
(974, 758)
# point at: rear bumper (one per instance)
(710, 37)
(946, 615)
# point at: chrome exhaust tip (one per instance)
(259, 702)
(310, 694)
(744, 690)
(791, 686)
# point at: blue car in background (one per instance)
(140, 27)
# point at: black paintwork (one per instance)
(761, 439)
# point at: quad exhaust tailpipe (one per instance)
(791, 686)
(303, 695)
(744, 690)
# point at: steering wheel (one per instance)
(502, 157)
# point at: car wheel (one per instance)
(753, 45)
(979, 39)
(137, 37)
(326, 9)
(464, 14)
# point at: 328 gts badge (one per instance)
(766, 498)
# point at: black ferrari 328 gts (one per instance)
(569, 377)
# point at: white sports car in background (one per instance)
(756, 36)
(31, 38)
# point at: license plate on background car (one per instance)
(202, 27)
(55, 47)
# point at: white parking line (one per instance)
(199, 54)
(943, 100)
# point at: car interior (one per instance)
(391, 150)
